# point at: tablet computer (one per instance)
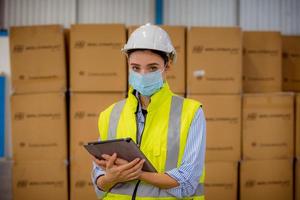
(125, 148)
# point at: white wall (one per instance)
(201, 12)
(270, 15)
(129, 12)
(34, 12)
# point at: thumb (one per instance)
(111, 161)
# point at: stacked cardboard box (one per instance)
(38, 112)
(291, 82)
(262, 62)
(38, 61)
(96, 59)
(266, 179)
(268, 126)
(214, 58)
(96, 62)
(84, 113)
(268, 121)
(214, 61)
(291, 63)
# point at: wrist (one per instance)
(104, 183)
(143, 176)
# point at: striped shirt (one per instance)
(190, 170)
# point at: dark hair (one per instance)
(162, 54)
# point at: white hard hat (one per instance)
(150, 37)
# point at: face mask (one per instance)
(146, 84)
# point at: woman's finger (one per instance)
(121, 161)
(111, 161)
(129, 165)
(136, 167)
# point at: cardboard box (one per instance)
(84, 114)
(38, 62)
(81, 183)
(214, 60)
(97, 63)
(221, 180)
(176, 74)
(39, 127)
(268, 121)
(266, 179)
(38, 180)
(223, 126)
(297, 181)
(262, 62)
(297, 121)
(291, 63)
(6, 179)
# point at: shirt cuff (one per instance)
(175, 191)
(100, 193)
(95, 175)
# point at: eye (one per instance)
(153, 68)
(135, 68)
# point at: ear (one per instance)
(168, 65)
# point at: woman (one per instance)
(169, 129)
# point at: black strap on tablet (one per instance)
(135, 190)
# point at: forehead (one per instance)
(144, 56)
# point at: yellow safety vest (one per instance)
(163, 141)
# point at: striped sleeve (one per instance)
(190, 170)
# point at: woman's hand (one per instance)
(118, 170)
(122, 171)
(102, 163)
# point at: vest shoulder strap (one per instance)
(114, 119)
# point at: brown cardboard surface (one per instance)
(223, 126)
(262, 62)
(221, 180)
(291, 63)
(97, 63)
(297, 121)
(214, 60)
(39, 126)
(266, 179)
(177, 71)
(38, 180)
(38, 62)
(81, 183)
(84, 113)
(268, 121)
(297, 181)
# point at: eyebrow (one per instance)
(147, 64)
(153, 64)
(134, 64)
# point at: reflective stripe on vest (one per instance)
(147, 190)
(114, 119)
(174, 127)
